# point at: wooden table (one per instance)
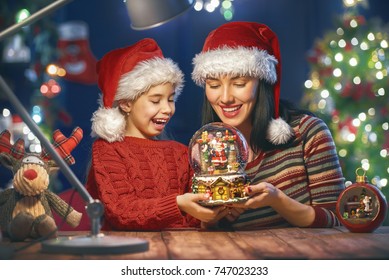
(284, 244)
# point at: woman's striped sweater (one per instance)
(307, 171)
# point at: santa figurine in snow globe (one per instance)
(218, 154)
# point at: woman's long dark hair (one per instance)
(262, 113)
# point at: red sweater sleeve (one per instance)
(138, 182)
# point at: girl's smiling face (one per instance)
(148, 115)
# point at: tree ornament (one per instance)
(15, 51)
(361, 207)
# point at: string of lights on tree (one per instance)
(348, 87)
(225, 7)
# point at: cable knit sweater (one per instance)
(138, 181)
(307, 171)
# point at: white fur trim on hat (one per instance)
(149, 73)
(73, 30)
(109, 124)
(279, 132)
(238, 61)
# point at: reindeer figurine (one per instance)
(26, 208)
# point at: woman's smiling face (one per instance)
(233, 99)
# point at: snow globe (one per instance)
(218, 154)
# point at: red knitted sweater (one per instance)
(138, 181)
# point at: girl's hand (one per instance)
(188, 203)
(233, 213)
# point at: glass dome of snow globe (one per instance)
(218, 148)
(218, 154)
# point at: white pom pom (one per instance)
(279, 132)
(108, 124)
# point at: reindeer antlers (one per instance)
(5, 142)
(16, 150)
(64, 146)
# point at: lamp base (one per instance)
(100, 244)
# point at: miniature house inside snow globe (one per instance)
(218, 154)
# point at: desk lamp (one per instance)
(146, 14)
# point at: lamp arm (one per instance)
(94, 208)
(34, 17)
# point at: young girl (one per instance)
(142, 182)
(293, 166)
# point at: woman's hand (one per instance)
(188, 203)
(265, 194)
(261, 195)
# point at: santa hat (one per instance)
(125, 74)
(245, 49)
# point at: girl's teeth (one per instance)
(160, 121)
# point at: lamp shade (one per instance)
(145, 14)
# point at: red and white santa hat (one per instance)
(125, 74)
(245, 49)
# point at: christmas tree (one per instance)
(348, 88)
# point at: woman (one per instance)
(293, 166)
